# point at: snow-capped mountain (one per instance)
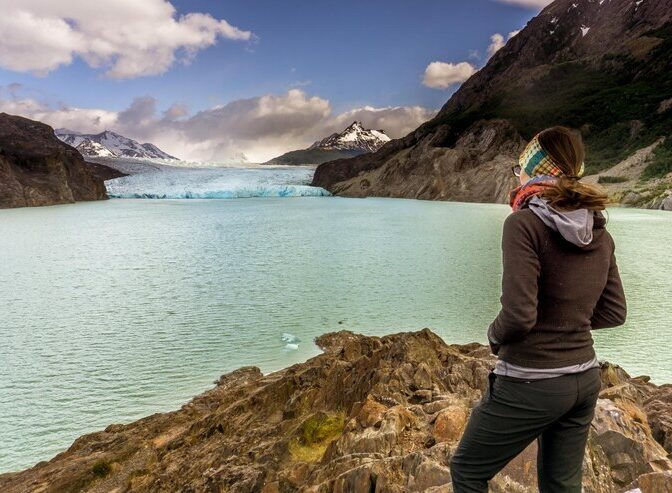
(352, 141)
(110, 144)
(355, 137)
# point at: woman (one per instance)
(560, 281)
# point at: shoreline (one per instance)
(180, 403)
(406, 388)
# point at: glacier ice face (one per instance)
(167, 182)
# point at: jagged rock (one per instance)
(38, 169)
(348, 420)
(437, 405)
(664, 105)
(631, 198)
(371, 413)
(449, 424)
(654, 482)
(627, 443)
(666, 204)
(658, 408)
(428, 474)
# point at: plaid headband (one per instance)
(536, 161)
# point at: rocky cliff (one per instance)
(604, 67)
(38, 169)
(370, 414)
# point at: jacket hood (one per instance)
(574, 226)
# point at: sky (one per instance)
(213, 80)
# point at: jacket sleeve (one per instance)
(611, 308)
(520, 284)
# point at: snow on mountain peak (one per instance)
(354, 137)
(110, 144)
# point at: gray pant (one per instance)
(514, 412)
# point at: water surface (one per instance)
(114, 310)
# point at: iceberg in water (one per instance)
(291, 341)
(171, 182)
(289, 338)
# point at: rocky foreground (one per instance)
(370, 414)
(38, 169)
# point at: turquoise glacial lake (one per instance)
(115, 310)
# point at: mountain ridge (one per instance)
(354, 140)
(602, 67)
(110, 144)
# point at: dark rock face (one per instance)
(102, 172)
(477, 166)
(379, 414)
(38, 169)
(602, 67)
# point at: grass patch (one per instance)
(317, 432)
(101, 468)
(661, 164)
(612, 179)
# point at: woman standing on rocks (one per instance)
(560, 281)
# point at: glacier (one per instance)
(159, 181)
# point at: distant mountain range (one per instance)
(110, 144)
(352, 141)
(602, 67)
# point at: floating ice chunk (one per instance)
(292, 347)
(289, 338)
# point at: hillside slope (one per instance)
(38, 169)
(604, 67)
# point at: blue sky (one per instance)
(350, 54)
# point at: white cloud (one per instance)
(497, 42)
(261, 127)
(540, 4)
(474, 54)
(94, 120)
(125, 38)
(441, 75)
